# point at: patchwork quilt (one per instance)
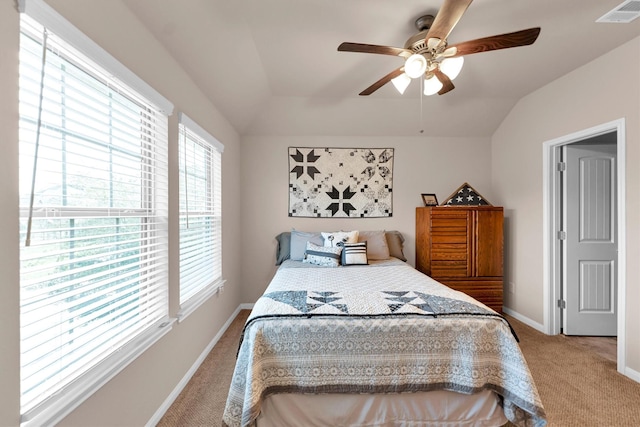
(381, 328)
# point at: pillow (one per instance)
(320, 255)
(377, 247)
(394, 241)
(339, 238)
(299, 241)
(283, 250)
(354, 254)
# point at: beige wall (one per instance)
(421, 165)
(604, 90)
(134, 395)
(9, 291)
(507, 170)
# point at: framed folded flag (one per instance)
(466, 195)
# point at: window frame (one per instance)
(55, 407)
(188, 127)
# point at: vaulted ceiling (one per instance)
(272, 66)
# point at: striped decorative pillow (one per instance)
(321, 255)
(354, 254)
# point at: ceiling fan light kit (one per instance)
(427, 53)
(452, 66)
(432, 85)
(418, 64)
(401, 82)
(415, 66)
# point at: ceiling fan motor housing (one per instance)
(417, 42)
(424, 22)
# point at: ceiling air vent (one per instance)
(624, 13)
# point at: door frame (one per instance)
(552, 221)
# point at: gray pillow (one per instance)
(284, 247)
(377, 246)
(299, 241)
(395, 242)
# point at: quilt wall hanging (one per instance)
(340, 182)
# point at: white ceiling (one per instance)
(272, 66)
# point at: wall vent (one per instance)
(624, 13)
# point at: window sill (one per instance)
(200, 298)
(54, 409)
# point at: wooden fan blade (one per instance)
(372, 48)
(383, 81)
(502, 41)
(447, 84)
(447, 18)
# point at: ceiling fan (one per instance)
(428, 54)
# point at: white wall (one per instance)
(421, 165)
(133, 396)
(599, 92)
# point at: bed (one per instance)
(367, 340)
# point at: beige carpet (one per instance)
(202, 401)
(577, 388)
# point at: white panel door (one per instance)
(591, 247)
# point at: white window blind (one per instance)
(200, 214)
(93, 191)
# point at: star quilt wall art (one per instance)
(340, 182)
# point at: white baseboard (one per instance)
(246, 306)
(633, 374)
(155, 419)
(535, 325)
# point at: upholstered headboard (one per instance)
(381, 244)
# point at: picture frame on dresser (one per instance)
(429, 199)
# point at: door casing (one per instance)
(552, 222)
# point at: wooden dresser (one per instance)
(462, 247)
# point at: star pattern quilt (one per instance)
(381, 328)
(340, 182)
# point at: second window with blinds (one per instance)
(200, 215)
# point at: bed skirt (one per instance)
(421, 409)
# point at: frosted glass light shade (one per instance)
(432, 85)
(401, 82)
(415, 66)
(452, 66)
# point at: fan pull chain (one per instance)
(421, 99)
